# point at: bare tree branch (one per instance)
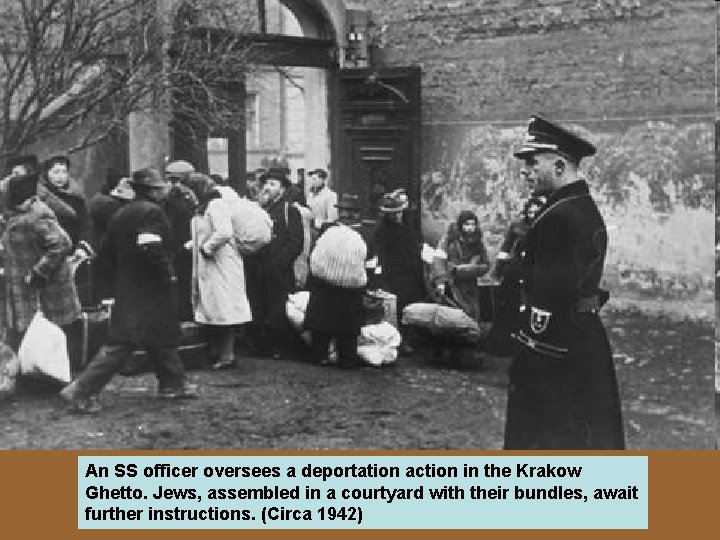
(85, 65)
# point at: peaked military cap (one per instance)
(546, 136)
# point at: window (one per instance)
(252, 121)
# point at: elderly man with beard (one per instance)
(270, 276)
(144, 314)
(563, 392)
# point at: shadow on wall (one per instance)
(654, 183)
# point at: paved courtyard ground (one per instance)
(665, 369)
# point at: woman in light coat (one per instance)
(218, 292)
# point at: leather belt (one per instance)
(540, 347)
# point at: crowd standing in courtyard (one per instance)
(284, 268)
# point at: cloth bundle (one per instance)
(441, 320)
(378, 343)
(252, 226)
(339, 258)
(9, 370)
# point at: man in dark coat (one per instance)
(145, 313)
(397, 244)
(270, 278)
(179, 206)
(563, 392)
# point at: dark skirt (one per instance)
(571, 403)
(334, 310)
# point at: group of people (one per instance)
(167, 251)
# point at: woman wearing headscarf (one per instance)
(467, 260)
(218, 285)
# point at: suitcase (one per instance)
(192, 349)
(95, 325)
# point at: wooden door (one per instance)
(377, 138)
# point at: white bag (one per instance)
(9, 370)
(338, 257)
(378, 343)
(44, 350)
(252, 226)
(295, 308)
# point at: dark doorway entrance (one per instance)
(377, 139)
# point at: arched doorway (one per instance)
(300, 109)
(286, 99)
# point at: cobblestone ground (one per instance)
(665, 368)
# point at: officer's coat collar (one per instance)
(569, 192)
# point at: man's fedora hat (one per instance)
(148, 177)
(348, 201)
(546, 136)
(276, 173)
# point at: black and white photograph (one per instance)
(378, 224)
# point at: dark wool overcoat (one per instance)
(179, 206)
(33, 240)
(70, 208)
(398, 250)
(102, 208)
(270, 274)
(331, 309)
(145, 310)
(563, 392)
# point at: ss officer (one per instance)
(563, 391)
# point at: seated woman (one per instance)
(467, 260)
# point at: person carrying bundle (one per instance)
(337, 285)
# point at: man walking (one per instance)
(144, 315)
(563, 391)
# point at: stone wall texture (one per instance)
(635, 76)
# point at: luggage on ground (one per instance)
(44, 350)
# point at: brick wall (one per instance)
(500, 60)
(636, 76)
